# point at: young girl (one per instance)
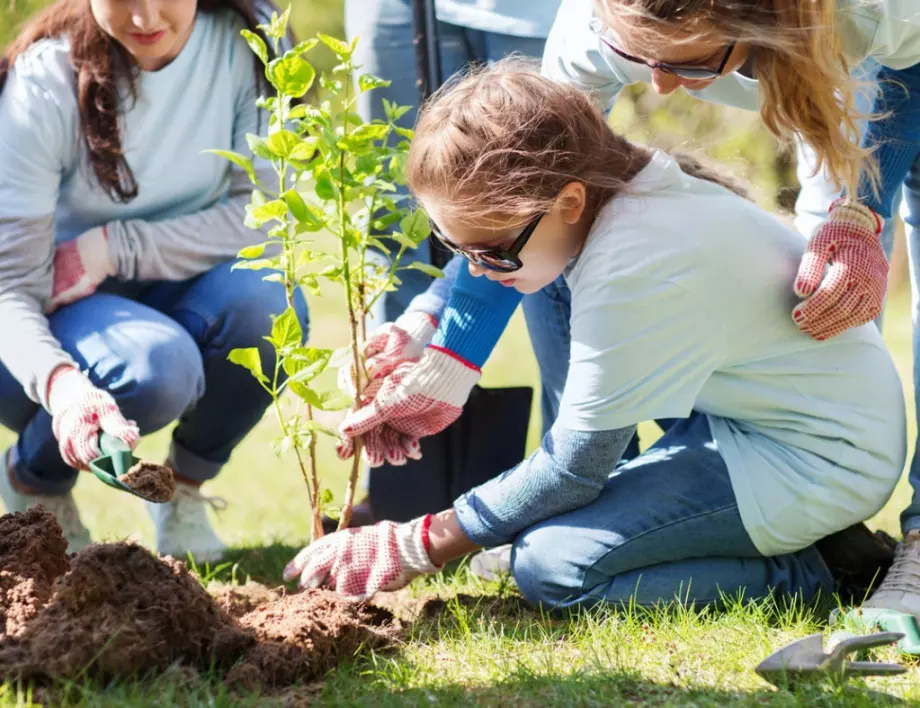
(790, 60)
(105, 111)
(679, 309)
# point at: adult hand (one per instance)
(79, 412)
(359, 562)
(416, 400)
(853, 291)
(80, 266)
(397, 342)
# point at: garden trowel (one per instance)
(116, 460)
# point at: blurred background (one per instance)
(267, 497)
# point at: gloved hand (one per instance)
(360, 561)
(416, 400)
(393, 343)
(80, 266)
(853, 291)
(79, 411)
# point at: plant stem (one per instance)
(317, 530)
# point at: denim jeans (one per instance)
(386, 50)
(161, 350)
(666, 524)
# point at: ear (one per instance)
(572, 201)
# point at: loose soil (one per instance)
(152, 481)
(116, 610)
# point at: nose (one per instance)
(145, 15)
(665, 83)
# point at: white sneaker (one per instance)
(62, 506)
(900, 590)
(182, 525)
(492, 563)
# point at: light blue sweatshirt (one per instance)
(188, 214)
(519, 18)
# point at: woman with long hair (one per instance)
(117, 237)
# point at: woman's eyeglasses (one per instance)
(497, 259)
(694, 72)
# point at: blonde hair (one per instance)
(805, 83)
(504, 141)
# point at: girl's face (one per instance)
(152, 31)
(699, 45)
(557, 239)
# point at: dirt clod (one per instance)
(155, 482)
(237, 600)
(302, 636)
(33, 553)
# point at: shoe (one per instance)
(182, 525)
(492, 563)
(361, 515)
(900, 590)
(62, 506)
(858, 559)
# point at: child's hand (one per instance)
(358, 562)
(416, 400)
(79, 267)
(853, 291)
(393, 343)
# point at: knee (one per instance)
(545, 573)
(156, 384)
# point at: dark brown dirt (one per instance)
(117, 610)
(33, 553)
(155, 482)
(302, 636)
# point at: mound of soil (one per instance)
(33, 553)
(302, 636)
(117, 610)
(155, 482)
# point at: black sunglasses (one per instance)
(685, 71)
(497, 259)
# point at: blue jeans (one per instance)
(666, 524)
(161, 350)
(386, 50)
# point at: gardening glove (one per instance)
(382, 445)
(417, 399)
(853, 291)
(79, 412)
(358, 562)
(393, 343)
(80, 266)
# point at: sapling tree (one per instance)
(336, 175)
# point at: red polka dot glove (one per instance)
(416, 400)
(79, 412)
(359, 562)
(79, 267)
(853, 291)
(391, 344)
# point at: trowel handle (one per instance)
(110, 445)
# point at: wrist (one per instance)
(93, 247)
(446, 376)
(419, 325)
(56, 375)
(844, 209)
(414, 544)
(66, 383)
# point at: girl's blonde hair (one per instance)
(507, 140)
(805, 83)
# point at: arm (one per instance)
(566, 473)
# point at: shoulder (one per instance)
(887, 30)
(45, 70)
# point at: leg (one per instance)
(150, 366)
(666, 525)
(547, 314)
(222, 311)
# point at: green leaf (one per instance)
(303, 364)
(386, 220)
(261, 264)
(249, 358)
(275, 209)
(303, 47)
(282, 143)
(369, 82)
(296, 204)
(416, 226)
(256, 44)
(403, 240)
(259, 147)
(305, 149)
(371, 131)
(238, 160)
(335, 401)
(286, 331)
(279, 23)
(325, 187)
(311, 284)
(426, 268)
(340, 48)
(291, 75)
(407, 133)
(252, 251)
(341, 357)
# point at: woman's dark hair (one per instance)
(100, 66)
